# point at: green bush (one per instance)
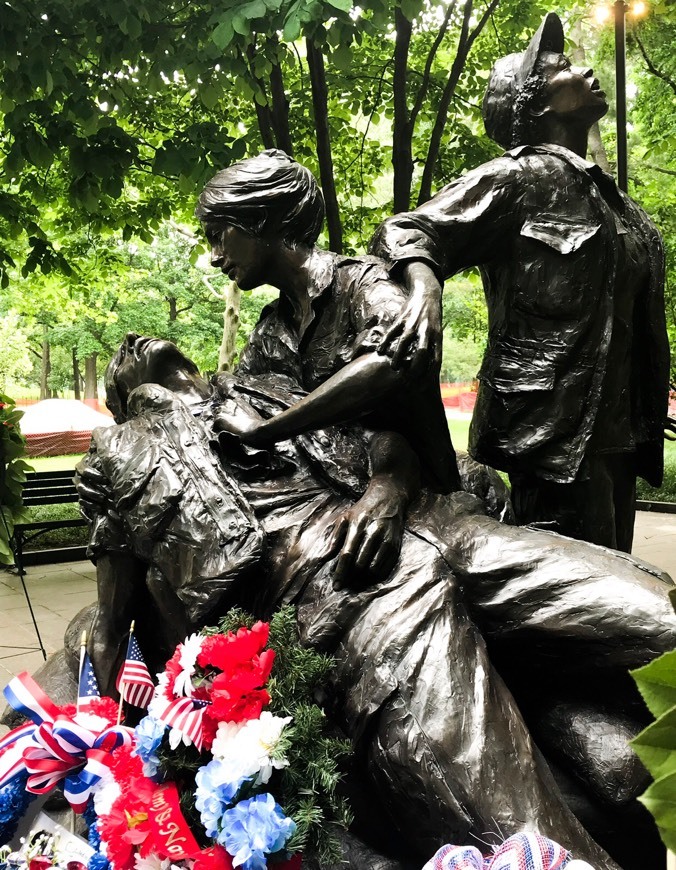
(12, 475)
(667, 492)
(57, 537)
(656, 745)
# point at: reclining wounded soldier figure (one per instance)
(440, 736)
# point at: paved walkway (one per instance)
(58, 592)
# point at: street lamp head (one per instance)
(510, 74)
(638, 9)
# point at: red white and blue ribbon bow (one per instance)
(524, 851)
(54, 747)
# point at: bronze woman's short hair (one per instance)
(267, 194)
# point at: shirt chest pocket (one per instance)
(561, 234)
(522, 365)
(558, 268)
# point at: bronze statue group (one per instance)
(481, 664)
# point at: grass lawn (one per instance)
(460, 428)
(68, 511)
(54, 463)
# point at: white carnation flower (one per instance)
(192, 647)
(221, 748)
(154, 862)
(151, 862)
(176, 737)
(246, 749)
(106, 793)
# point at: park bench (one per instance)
(44, 488)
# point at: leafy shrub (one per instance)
(656, 745)
(667, 492)
(57, 537)
(12, 475)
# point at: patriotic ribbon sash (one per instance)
(54, 749)
(524, 851)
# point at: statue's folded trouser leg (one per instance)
(448, 749)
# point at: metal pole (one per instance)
(621, 92)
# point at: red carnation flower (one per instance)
(223, 650)
(236, 707)
(214, 858)
(173, 668)
(126, 829)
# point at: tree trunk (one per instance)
(46, 366)
(91, 390)
(596, 147)
(232, 296)
(280, 109)
(76, 376)
(402, 134)
(598, 150)
(320, 105)
(263, 112)
(172, 308)
(464, 47)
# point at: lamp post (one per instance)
(620, 10)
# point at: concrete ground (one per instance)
(58, 592)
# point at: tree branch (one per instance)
(263, 113)
(651, 66)
(660, 169)
(280, 104)
(183, 231)
(464, 47)
(402, 132)
(426, 76)
(207, 283)
(320, 98)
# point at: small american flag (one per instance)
(138, 688)
(88, 688)
(184, 714)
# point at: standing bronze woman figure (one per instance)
(574, 382)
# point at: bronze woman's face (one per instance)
(241, 256)
(143, 360)
(571, 92)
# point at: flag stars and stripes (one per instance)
(134, 682)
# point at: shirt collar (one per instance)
(605, 183)
(321, 272)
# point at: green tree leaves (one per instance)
(656, 745)
(12, 475)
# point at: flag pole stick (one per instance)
(119, 709)
(83, 648)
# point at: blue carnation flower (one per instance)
(253, 829)
(14, 801)
(98, 860)
(148, 735)
(215, 792)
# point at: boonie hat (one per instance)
(509, 75)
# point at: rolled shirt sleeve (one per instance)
(376, 302)
(459, 227)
